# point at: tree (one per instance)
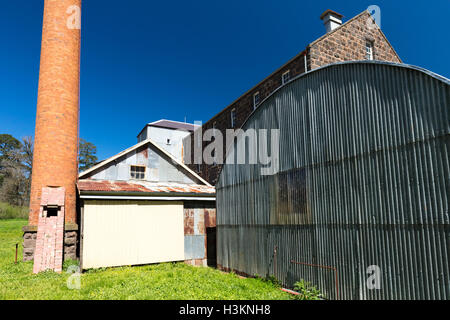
(86, 157)
(15, 187)
(14, 183)
(9, 148)
(27, 164)
(27, 154)
(9, 154)
(16, 166)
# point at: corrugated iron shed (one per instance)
(364, 180)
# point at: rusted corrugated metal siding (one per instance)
(197, 218)
(87, 185)
(363, 180)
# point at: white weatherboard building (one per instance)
(144, 205)
(168, 135)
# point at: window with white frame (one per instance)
(256, 100)
(369, 50)
(137, 172)
(233, 118)
(285, 77)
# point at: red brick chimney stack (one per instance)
(56, 135)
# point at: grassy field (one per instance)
(8, 211)
(162, 281)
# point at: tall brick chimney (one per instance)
(55, 162)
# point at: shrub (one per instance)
(70, 262)
(273, 280)
(269, 279)
(8, 211)
(307, 291)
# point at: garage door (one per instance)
(118, 233)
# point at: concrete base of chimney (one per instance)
(71, 242)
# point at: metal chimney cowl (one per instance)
(331, 20)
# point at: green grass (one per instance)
(161, 281)
(8, 211)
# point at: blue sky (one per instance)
(143, 60)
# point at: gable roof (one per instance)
(169, 124)
(365, 12)
(302, 53)
(84, 174)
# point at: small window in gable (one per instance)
(214, 151)
(286, 77)
(137, 172)
(369, 50)
(233, 118)
(256, 100)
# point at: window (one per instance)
(233, 118)
(168, 141)
(292, 204)
(52, 212)
(256, 100)
(138, 172)
(369, 50)
(286, 77)
(214, 151)
(213, 154)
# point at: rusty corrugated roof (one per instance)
(142, 186)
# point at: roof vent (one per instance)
(331, 20)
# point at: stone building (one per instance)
(359, 38)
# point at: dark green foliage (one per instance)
(16, 166)
(273, 280)
(307, 291)
(15, 169)
(269, 279)
(86, 157)
(9, 147)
